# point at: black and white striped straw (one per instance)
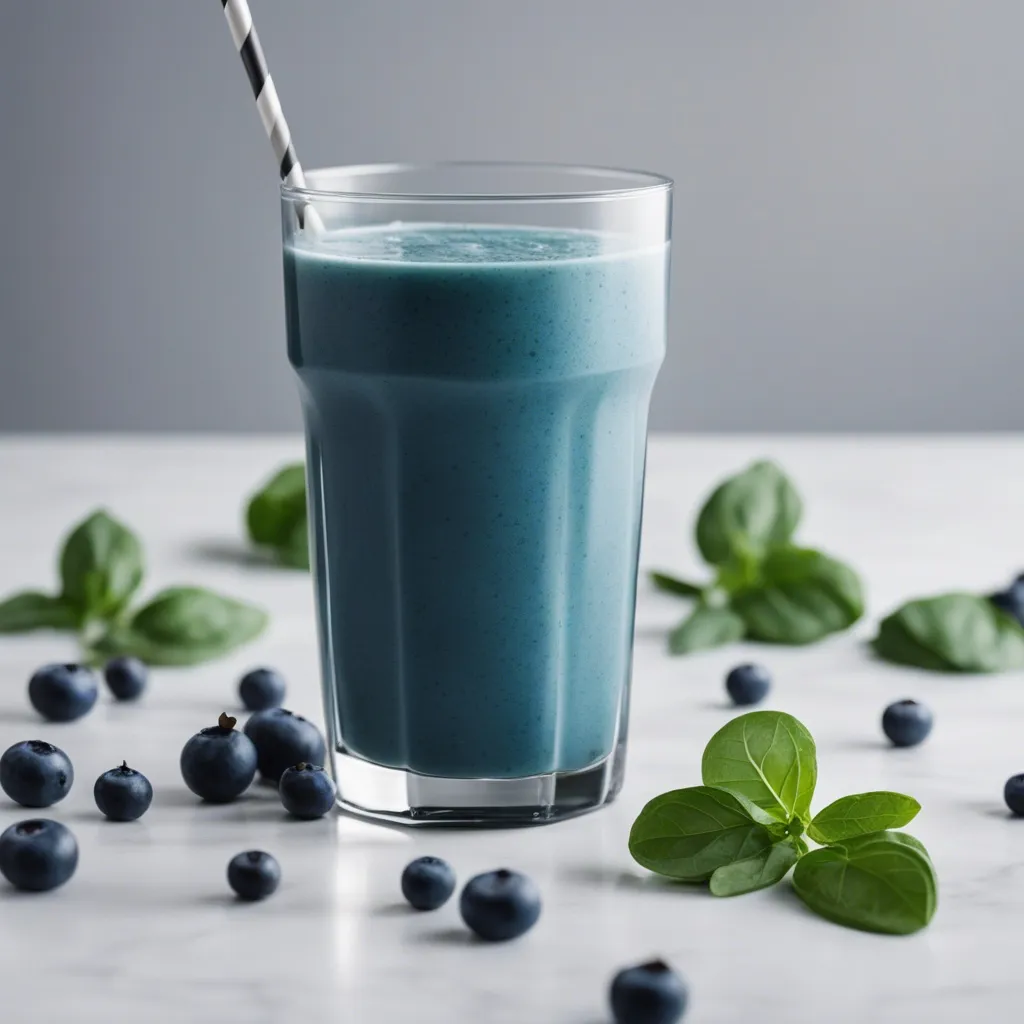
(247, 42)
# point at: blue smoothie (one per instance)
(476, 402)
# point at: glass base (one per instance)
(401, 797)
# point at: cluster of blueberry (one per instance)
(62, 693)
(42, 854)
(217, 764)
(496, 906)
(501, 905)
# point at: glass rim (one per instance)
(644, 183)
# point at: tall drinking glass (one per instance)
(476, 346)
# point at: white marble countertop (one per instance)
(147, 932)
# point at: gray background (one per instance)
(849, 223)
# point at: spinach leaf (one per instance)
(31, 610)
(295, 553)
(764, 869)
(802, 595)
(689, 833)
(747, 514)
(908, 840)
(874, 882)
(777, 829)
(184, 626)
(862, 814)
(742, 831)
(770, 758)
(705, 628)
(276, 515)
(952, 633)
(101, 566)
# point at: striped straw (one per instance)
(247, 42)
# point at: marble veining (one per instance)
(148, 931)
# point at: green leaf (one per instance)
(295, 553)
(185, 626)
(747, 514)
(765, 868)
(689, 833)
(877, 882)
(768, 757)
(952, 633)
(101, 566)
(31, 610)
(275, 510)
(802, 596)
(704, 629)
(912, 841)
(674, 585)
(758, 814)
(862, 814)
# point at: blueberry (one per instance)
(1013, 794)
(254, 875)
(500, 905)
(219, 763)
(1011, 600)
(123, 794)
(126, 677)
(38, 854)
(283, 739)
(36, 774)
(748, 684)
(651, 993)
(62, 693)
(262, 688)
(428, 882)
(906, 723)
(307, 791)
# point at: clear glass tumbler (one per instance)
(476, 346)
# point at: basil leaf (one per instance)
(274, 511)
(101, 566)
(877, 883)
(802, 596)
(31, 610)
(185, 626)
(704, 629)
(765, 868)
(689, 833)
(952, 633)
(768, 757)
(674, 585)
(747, 514)
(862, 814)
